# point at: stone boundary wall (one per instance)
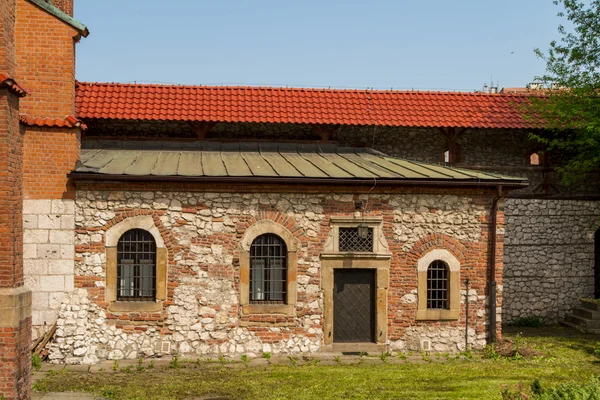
(48, 253)
(202, 314)
(548, 256)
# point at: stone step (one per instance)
(586, 313)
(566, 323)
(590, 306)
(586, 323)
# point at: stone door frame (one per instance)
(381, 264)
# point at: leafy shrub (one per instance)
(489, 352)
(531, 322)
(564, 391)
(36, 362)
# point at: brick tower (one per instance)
(38, 146)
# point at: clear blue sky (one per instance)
(404, 44)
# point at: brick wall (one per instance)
(15, 300)
(50, 154)
(65, 6)
(45, 62)
(7, 37)
(11, 191)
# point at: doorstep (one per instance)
(367, 347)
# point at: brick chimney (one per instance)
(65, 6)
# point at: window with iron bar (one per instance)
(268, 270)
(350, 240)
(437, 285)
(136, 266)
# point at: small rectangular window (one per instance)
(355, 239)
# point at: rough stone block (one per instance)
(62, 237)
(47, 317)
(35, 236)
(60, 267)
(48, 251)
(37, 206)
(52, 283)
(69, 283)
(35, 267)
(67, 222)
(55, 300)
(51, 221)
(32, 282)
(39, 300)
(30, 221)
(29, 251)
(67, 251)
(63, 207)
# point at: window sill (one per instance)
(437, 315)
(135, 306)
(286, 309)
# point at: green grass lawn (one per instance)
(569, 356)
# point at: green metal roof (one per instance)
(66, 18)
(265, 160)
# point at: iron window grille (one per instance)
(437, 285)
(136, 266)
(349, 240)
(268, 270)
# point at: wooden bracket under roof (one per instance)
(325, 131)
(452, 135)
(202, 128)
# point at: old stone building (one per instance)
(161, 220)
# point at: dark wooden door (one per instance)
(353, 305)
(597, 264)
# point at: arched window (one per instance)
(268, 270)
(136, 266)
(534, 159)
(537, 158)
(438, 278)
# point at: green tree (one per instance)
(570, 106)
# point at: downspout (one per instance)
(492, 304)
(467, 315)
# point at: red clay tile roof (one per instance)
(67, 122)
(9, 82)
(302, 106)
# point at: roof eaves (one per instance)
(10, 83)
(88, 174)
(67, 122)
(66, 18)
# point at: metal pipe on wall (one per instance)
(493, 288)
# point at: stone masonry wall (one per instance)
(549, 256)
(202, 231)
(48, 253)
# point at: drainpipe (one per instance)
(467, 315)
(492, 299)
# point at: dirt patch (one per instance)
(508, 348)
